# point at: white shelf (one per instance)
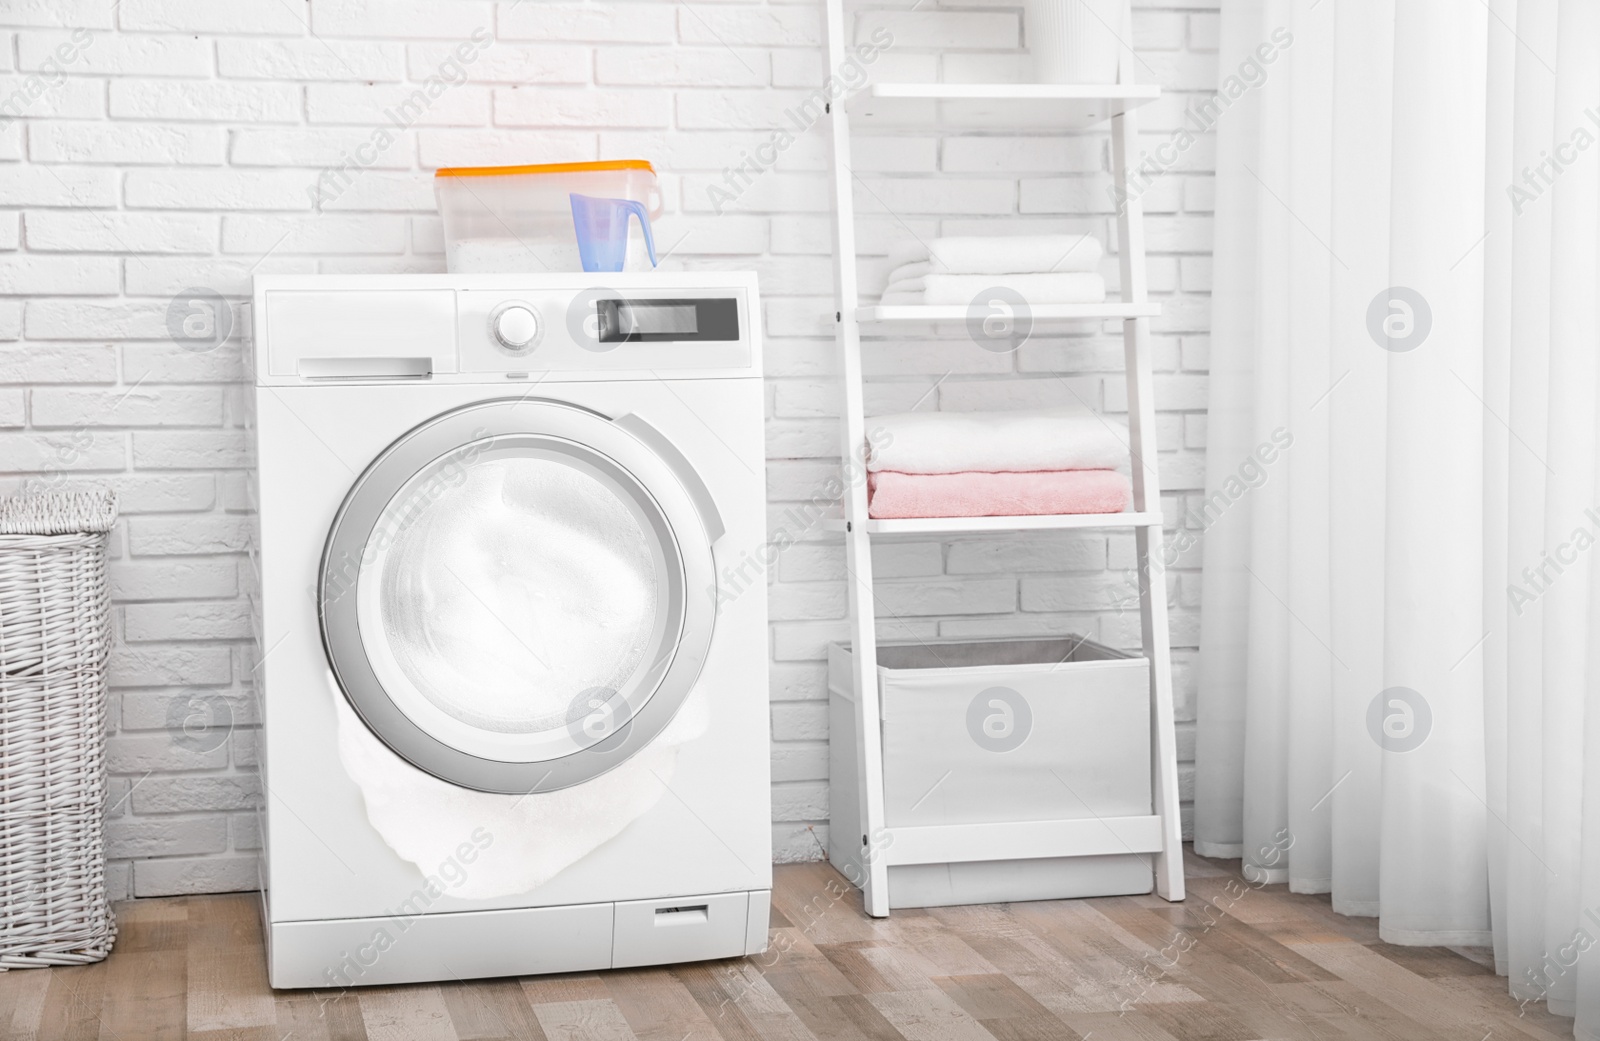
(979, 525)
(995, 106)
(934, 110)
(1039, 313)
(1023, 840)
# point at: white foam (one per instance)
(535, 837)
(522, 586)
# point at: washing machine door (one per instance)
(518, 595)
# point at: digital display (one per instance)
(651, 317)
(646, 321)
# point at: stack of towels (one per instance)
(1043, 269)
(996, 464)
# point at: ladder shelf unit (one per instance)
(955, 107)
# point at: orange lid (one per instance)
(543, 168)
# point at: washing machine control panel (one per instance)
(477, 328)
(534, 334)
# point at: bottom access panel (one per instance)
(357, 952)
(1007, 881)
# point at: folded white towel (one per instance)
(990, 442)
(1078, 287)
(1002, 254)
(911, 251)
(1016, 254)
(916, 269)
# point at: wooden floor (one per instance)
(1230, 964)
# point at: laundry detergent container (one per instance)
(518, 219)
(997, 731)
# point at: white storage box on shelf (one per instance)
(1020, 747)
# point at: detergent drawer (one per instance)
(377, 333)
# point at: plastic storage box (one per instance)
(519, 218)
(998, 731)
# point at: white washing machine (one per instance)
(509, 725)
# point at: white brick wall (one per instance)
(170, 143)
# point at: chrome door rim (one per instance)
(628, 720)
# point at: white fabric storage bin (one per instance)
(999, 731)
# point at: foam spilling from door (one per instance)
(535, 836)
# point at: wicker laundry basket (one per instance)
(54, 634)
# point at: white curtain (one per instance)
(1399, 620)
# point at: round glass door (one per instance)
(506, 596)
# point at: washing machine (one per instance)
(513, 691)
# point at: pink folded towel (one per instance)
(974, 494)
